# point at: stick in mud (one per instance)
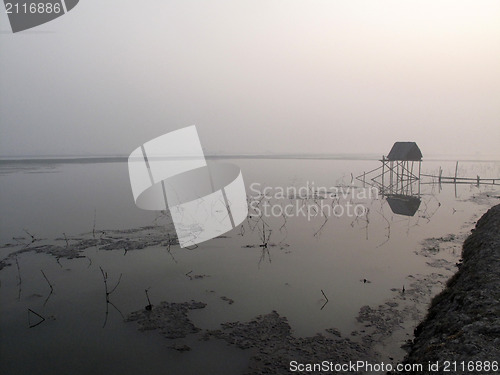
(51, 288)
(19, 283)
(48, 282)
(33, 239)
(108, 302)
(149, 306)
(93, 228)
(29, 321)
(168, 244)
(324, 295)
(325, 298)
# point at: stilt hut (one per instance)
(398, 173)
(398, 177)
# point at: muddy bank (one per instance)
(463, 321)
(273, 346)
(268, 337)
(71, 247)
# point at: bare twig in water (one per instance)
(108, 293)
(42, 319)
(265, 241)
(116, 286)
(169, 244)
(284, 223)
(93, 227)
(318, 232)
(20, 280)
(66, 239)
(324, 295)
(48, 282)
(365, 219)
(149, 306)
(283, 227)
(105, 278)
(388, 229)
(51, 288)
(265, 251)
(265, 238)
(107, 310)
(325, 298)
(33, 239)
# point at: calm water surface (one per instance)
(303, 257)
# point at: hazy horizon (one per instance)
(284, 156)
(264, 77)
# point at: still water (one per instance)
(308, 252)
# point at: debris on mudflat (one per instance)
(196, 277)
(181, 347)
(273, 345)
(170, 318)
(227, 299)
(3, 264)
(127, 239)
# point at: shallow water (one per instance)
(304, 257)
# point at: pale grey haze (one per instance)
(256, 77)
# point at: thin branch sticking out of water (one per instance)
(51, 288)
(149, 306)
(20, 280)
(93, 227)
(388, 228)
(169, 244)
(33, 239)
(66, 239)
(325, 298)
(42, 319)
(318, 232)
(108, 293)
(48, 282)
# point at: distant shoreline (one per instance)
(4, 160)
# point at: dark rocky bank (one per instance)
(463, 321)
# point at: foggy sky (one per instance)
(257, 76)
